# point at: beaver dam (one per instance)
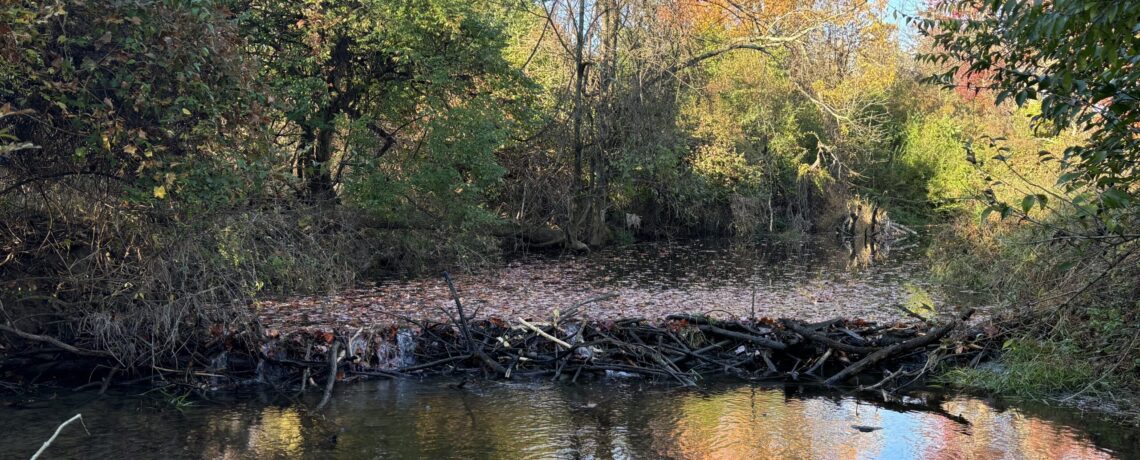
(755, 313)
(683, 349)
(583, 350)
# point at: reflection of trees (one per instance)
(277, 434)
(758, 423)
(487, 421)
(598, 420)
(995, 434)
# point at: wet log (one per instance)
(809, 334)
(898, 348)
(766, 343)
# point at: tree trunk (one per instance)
(320, 134)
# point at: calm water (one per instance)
(608, 419)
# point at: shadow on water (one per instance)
(609, 419)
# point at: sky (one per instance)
(894, 15)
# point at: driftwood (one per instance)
(59, 429)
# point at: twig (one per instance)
(107, 381)
(332, 374)
(912, 313)
(433, 364)
(57, 431)
(55, 342)
(573, 310)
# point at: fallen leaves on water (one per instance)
(650, 280)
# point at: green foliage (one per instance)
(1078, 58)
(151, 95)
(932, 157)
(727, 170)
(1032, 369)
(403, 105)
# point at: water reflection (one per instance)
(511, 420)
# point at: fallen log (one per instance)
(898, 348)
(766, 343)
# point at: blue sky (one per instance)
(911, 7)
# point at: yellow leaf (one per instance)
(185, 111)
(130, 149)
(160, 192)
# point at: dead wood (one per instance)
(809, 334)
(766, 343)
(897, 349)
(333, 358)
(54, 342)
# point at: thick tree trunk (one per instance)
(320, 186)
(608, 121)
(316, 167)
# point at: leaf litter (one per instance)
(811, 281)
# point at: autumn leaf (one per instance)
(160, 192)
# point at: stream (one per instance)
(608, 418)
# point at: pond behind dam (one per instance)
(812, 280)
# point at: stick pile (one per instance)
(682, 348)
